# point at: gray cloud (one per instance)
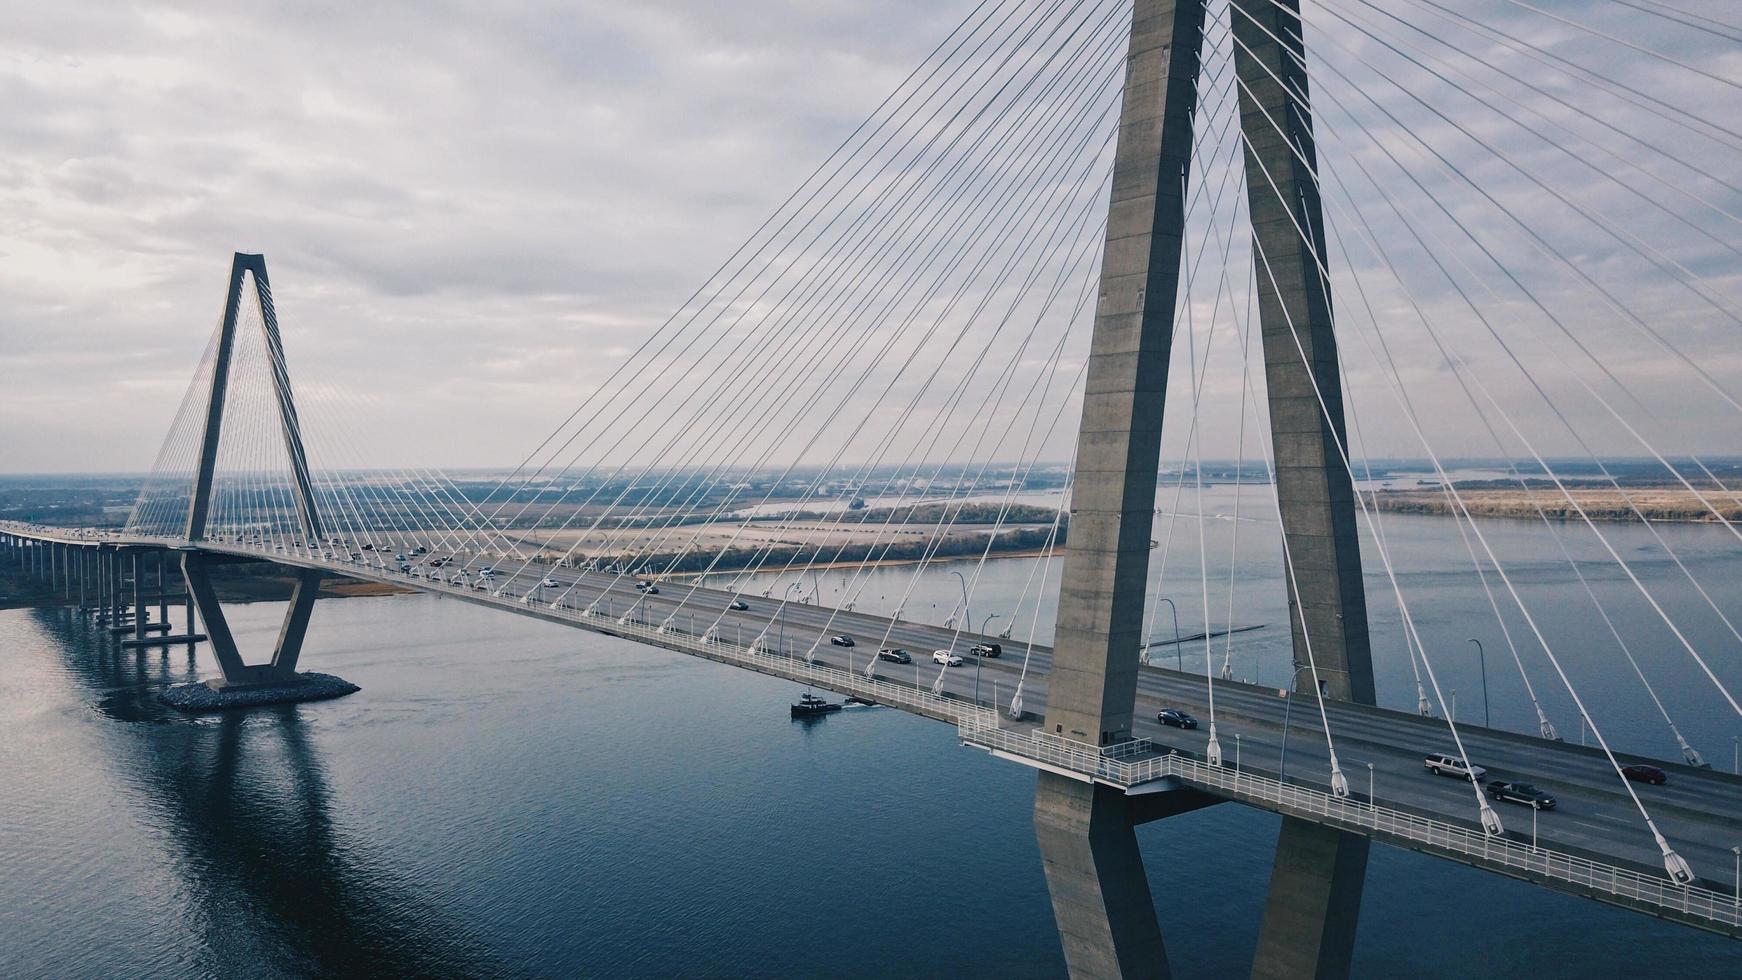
(470, 209)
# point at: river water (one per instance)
(507, 797)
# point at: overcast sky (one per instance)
(469, 210)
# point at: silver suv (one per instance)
(1442, 764)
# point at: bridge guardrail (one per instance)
(1120, 766)
(1130, 763)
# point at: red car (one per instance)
(1645, 774)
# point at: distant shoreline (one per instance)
(1658, 504)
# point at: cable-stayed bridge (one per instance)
(1065, 204)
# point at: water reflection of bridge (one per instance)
(247, 809)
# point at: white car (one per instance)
(946, 658)
(551, 583)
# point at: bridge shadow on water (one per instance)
(271, 883)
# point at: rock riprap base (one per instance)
(308, 686)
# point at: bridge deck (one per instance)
(1595, 826)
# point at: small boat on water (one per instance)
(811, 705)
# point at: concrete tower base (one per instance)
(1100, 894)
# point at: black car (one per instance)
(1524, 793)
(894, 655)
(1176, 718)
(650, 590)
(738, 604)
(841, 640)
(1645, 774)
(987, 650)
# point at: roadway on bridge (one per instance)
(1596, 818)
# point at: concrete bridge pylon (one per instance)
(250, 270)
(1086, 831)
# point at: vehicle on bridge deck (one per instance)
(1645, 774)
(1512, 792)
(946, 658)
(1443, 764)
(988, 650)
(738, 604)
(841, 640)
(1176, 718)
(810, 704)
(551, 583)
(894, 655)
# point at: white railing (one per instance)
(1118, 766)
(1125, 764)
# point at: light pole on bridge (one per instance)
(1287, 708)
(983, 624)
(1143, 654)
(1483, 658)
(966, 616)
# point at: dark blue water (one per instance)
(513, 798)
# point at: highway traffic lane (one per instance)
(1607, 823)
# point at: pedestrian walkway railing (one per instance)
(1126, 764)
(1139, 761)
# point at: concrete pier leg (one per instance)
(1315, 888)
(1100, 893)
(102, 582)
(139, 614)
(1314, 901)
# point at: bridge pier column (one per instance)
(163, 590)
(1313, 903)
(139, 615)
(242, 683)
(1100, 893)
(1316, 883)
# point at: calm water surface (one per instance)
(513, 798)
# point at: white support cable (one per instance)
(1685, 18)
(1681, 637)
(1213, 751)
(727, 456)
(1544, 726)
(1632, 45)
(1674, 864)
(1680, 273)
(1490, 820)
(870, 182)
(1045, 565)
(810, 181)
(1680, 188)
(1591, 80)
(973, 316)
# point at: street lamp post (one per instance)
(783, 601)
(1176, 640)
(1287, 708)
(1483, 657)
(968, 618)
(1236, 753)
(1370, 800)
(983, 624)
